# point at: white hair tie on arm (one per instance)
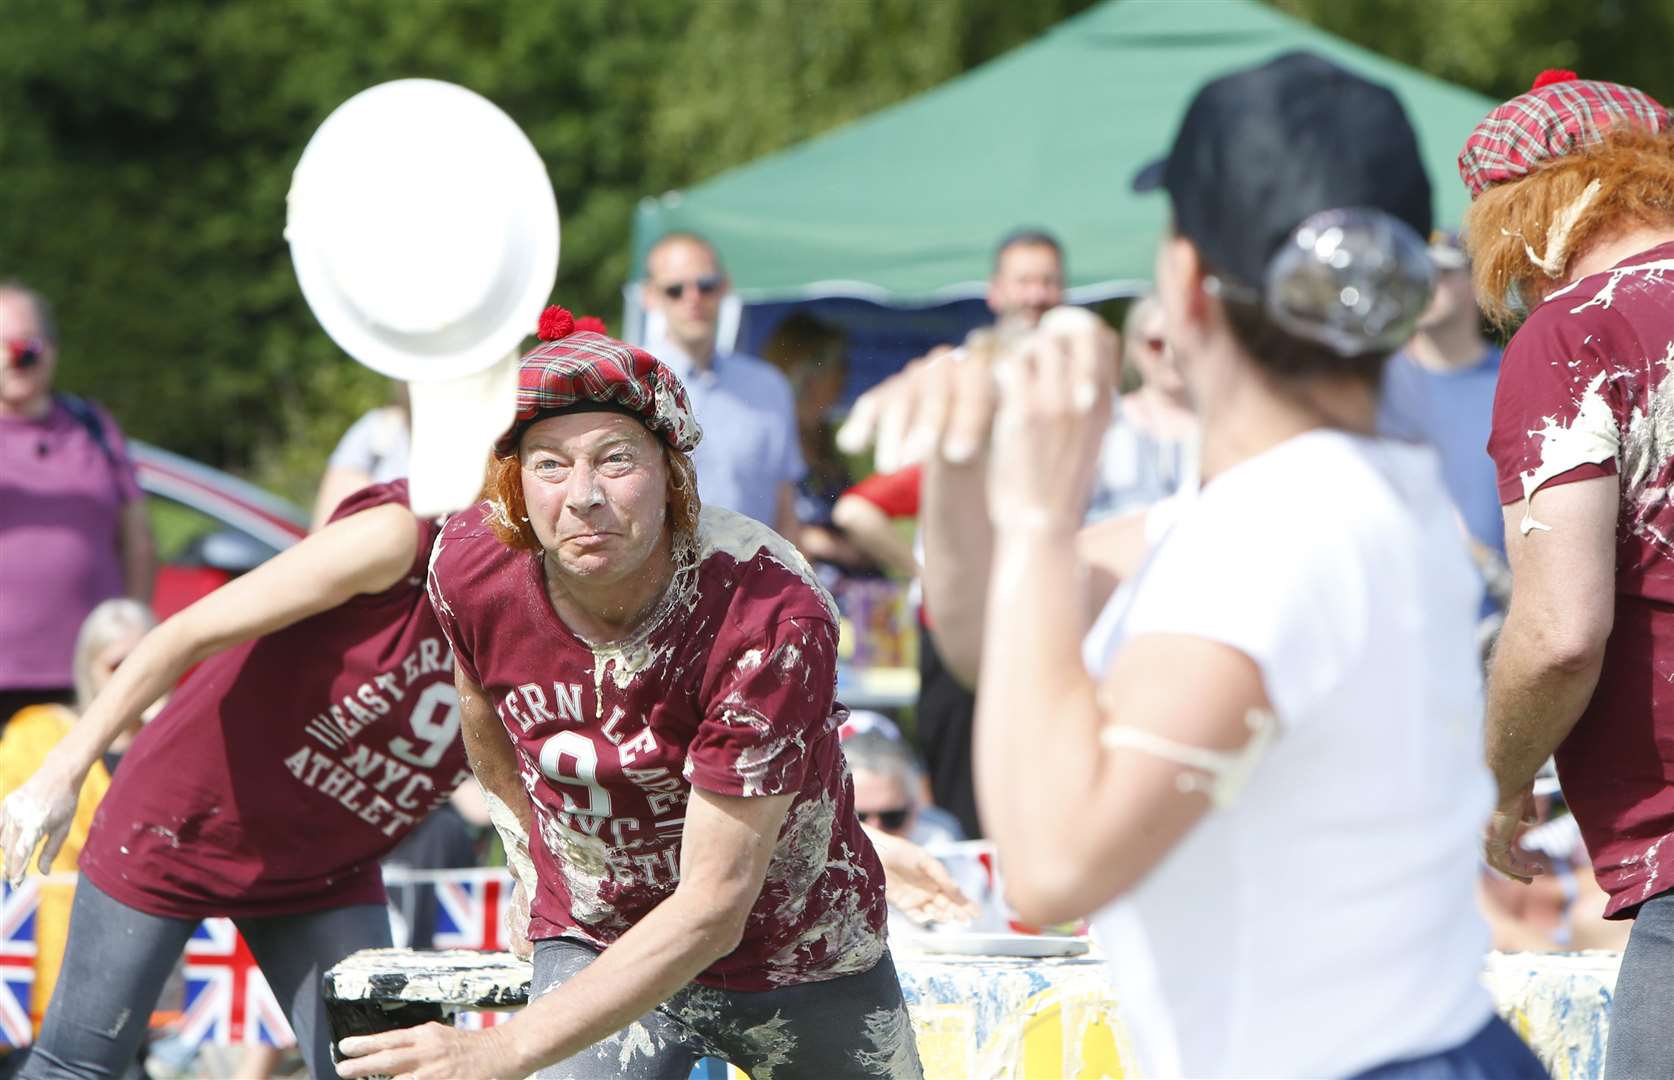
(1227, 770)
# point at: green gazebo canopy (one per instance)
(904, 206)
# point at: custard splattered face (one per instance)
(595, 487)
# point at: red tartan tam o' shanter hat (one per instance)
(1561, 114)
(577, 363)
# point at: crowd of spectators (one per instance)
(76, 554)
(73, 530)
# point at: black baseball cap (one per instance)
(1262, 149)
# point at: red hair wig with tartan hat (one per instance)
(578, 367)
(1554, 170)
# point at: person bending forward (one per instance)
(648, 688)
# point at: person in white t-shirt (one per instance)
(1243, 736)
(375, 450)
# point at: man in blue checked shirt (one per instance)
(750, 459)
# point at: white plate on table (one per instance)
(961, 944)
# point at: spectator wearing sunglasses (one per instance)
(73, 529)
(890, 790)
(1151, 450)
(750, 460)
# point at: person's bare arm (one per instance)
(494, 762)
(940, 410)
(1080, 816)
(821, 544)
(364, 553)
(725, 849)
(948, 402)
(138, 549)
(501, 796)
(1077, 823)
(470, 803)
(785, 521)
(338, 484)
(958, 553)
(959, 544)
(875, 534)
(1546, 664)
(955, 417)
(916, 883)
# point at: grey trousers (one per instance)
(1642, 1011)
(117, 960)
(851, 1027)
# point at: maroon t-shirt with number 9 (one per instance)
(729, 687)
(279, 774)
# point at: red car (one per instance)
(210, 526)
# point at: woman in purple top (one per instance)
(73, 530)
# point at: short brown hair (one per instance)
(1635, 173)
(682, 236)
(1027, 237)
(1287, 356)
(509, 514)
(45, 318)
(1283, 354)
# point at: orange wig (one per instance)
(1525, 235)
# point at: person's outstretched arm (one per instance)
(867, 513)
(940, 411)
(364, 553)
(1086, 785)
(725, 848)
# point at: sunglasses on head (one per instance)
(707, 285)
(25, 353)
(887, 820)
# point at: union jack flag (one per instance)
(227, 999)
(17, 960)
(472, 908)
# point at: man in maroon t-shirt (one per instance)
(320, 725)
(1571, 214)
(648, 689)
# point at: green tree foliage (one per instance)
(146, 147)
(1499, 46)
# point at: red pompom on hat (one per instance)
(578, 364)
(1553, 75)
(556, 323)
